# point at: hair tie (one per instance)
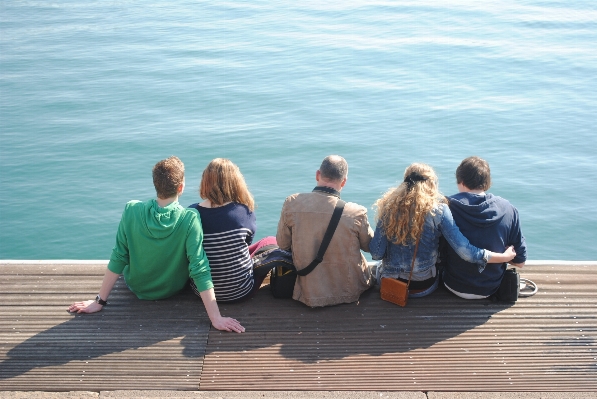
(412, 178)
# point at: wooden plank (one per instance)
(130, 344)
(439, 343)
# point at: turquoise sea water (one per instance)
(94, 93)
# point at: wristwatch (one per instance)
(98, 299)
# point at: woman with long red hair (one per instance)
(229, 226)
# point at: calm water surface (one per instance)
(94, 93)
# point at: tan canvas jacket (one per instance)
(343, 275)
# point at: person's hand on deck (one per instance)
(85, 307)
(219, 322)
(228, 324)
(92, 306)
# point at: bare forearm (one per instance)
(91, 306)
(221, 323)
(211, 306)
(110, 279)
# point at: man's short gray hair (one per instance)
(334, 168)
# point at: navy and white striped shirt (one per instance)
(227, 233)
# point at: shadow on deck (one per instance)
(440, 343)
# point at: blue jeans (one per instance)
(397, 258)
(428, 290)
(377, 273)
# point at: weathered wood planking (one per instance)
(439, 343)
(131, 344)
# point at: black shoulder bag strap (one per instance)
(329, 233)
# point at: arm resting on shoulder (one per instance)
(465, 249)
(91, 306)
(505, 256)
(459, 242)
(221, 323)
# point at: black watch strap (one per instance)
(98, 299)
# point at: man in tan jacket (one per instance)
(343, 275)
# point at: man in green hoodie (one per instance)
(159, 244)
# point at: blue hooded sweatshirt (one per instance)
(490, 222)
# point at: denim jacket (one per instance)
(398, 258)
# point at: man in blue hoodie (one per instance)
(488, 221)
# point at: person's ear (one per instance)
(181, 188)
(344, 181)
(317, 176)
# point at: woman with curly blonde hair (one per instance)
(416, 211)
(229, 225)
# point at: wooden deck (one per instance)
(440, 343)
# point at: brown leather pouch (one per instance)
(395, 291)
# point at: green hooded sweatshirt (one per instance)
(157, 249)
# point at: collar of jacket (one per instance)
(327, 190)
